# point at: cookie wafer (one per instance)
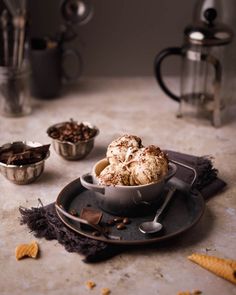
(224, 268)
(30, 250)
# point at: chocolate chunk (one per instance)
(91, 215)
(23, 154)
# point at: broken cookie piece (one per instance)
(106, 291)
(90, 285)
(27, 250)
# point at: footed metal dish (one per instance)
(22, 174)
(73, 151)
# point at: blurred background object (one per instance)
(122, 37)
(52, 58)
(14, 70)
(226, 11)
(202, 71)
(50, 63)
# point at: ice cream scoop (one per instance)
(150, 164)
(123, 148)
(114, 174)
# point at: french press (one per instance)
(202, 70)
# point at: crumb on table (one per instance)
(106, 291)
(90, 284)
(195, 292)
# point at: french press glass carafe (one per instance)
(202, 70)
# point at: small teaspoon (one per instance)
(150, 227)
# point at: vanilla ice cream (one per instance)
(150, 165)
(114, 174)
(132, 164)
(123, 149)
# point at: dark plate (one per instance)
(183, 212)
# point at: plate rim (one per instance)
(65, 221)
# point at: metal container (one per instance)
(73, 151)
(22, 174)
(125, 200)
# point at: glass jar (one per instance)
(15, 99)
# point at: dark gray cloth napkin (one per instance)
(44, 222)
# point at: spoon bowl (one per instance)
(151, 227)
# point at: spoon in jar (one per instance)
(151, 227)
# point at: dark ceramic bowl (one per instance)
(125, 200)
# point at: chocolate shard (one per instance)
(25, 155)
(92, 215)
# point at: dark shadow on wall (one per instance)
(123, 37)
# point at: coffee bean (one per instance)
(120, 226)
(73, 212)
(118, 219)
(126, 220)
(111, 222)
(72, 132)
(96, 233)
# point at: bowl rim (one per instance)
(165, 178)
(24, 165)
(78, 142)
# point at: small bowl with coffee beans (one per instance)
(73, 140)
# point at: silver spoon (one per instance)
(150, 227)
(83, 221)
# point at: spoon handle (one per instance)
(167, 200)
(95, 226)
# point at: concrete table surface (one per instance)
(117, 106)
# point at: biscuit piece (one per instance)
(106, 291)
(29, 250)
(224, 268)
(90, 284)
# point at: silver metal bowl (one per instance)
(22, 174)
(73, 151)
